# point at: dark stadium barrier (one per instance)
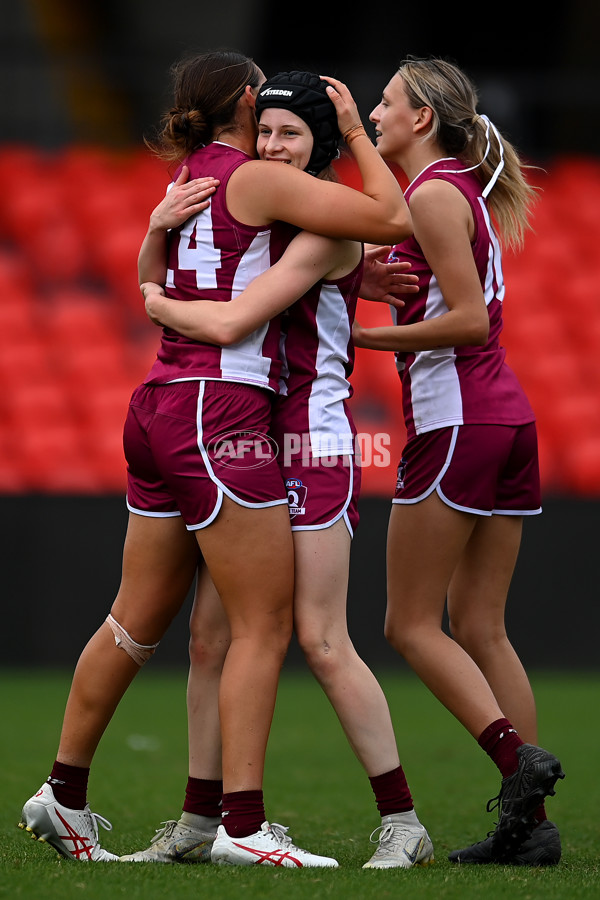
(61, 570)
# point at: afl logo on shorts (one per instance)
(296, 492)
(242, 450)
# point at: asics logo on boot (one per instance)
(272, 857)
(78, 851)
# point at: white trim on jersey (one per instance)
(242, 362)
(329, 430)
(434, 163)
(435, 386)
(494, 267)
(246, 357)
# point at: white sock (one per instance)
(406, 818)
(200, 823)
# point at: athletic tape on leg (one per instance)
(140, 653)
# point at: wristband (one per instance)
(353, 133)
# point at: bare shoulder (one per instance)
(264, 173)
(437, 204)
(436, 192)
(260, 191)
(327, 257)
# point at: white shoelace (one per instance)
(167, 830)
(386, 833)
(279, 832)
(97, 819)
(391, 834)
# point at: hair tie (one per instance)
(488, 125)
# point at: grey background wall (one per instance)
(61, 561)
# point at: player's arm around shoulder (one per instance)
(308, 259)
(261, 192)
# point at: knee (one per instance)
(395, 636)
(208, 652)
(476, 637)
(323, 655)
(269, 636)
(139, 653)
(406, 638)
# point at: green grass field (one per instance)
(313, 784)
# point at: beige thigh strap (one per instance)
(140, 653)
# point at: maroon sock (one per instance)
(243, 813)
(500, 741)
(203, 797)
(540, 814)
(392, 793)
(69, 784)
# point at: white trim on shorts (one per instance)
(517, 512)
(432, 487)
(151, 515)
(435, 486)
(213, 515)
(222, 488)
(467, 509)
(344, 510)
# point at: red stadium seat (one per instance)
(77, 216)
(85, 370)
(77, 316)
(37, 407)
(24, 361)
(18, 318)
(582, 463)
(57, 252)
(53, 459)
(15, 275)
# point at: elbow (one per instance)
(226, 334)
(478, 332)
(399, 226)
(225, 338)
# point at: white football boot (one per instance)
(403, 843)
(268, 847)
(189, 840)
(72, 832)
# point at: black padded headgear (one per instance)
(304, 94)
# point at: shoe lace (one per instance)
(386, 831)
(166, 831)
(389, 836)
(494, 803)
(97, 819)
(280, 832)
(497, 802)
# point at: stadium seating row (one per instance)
(74, 339)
